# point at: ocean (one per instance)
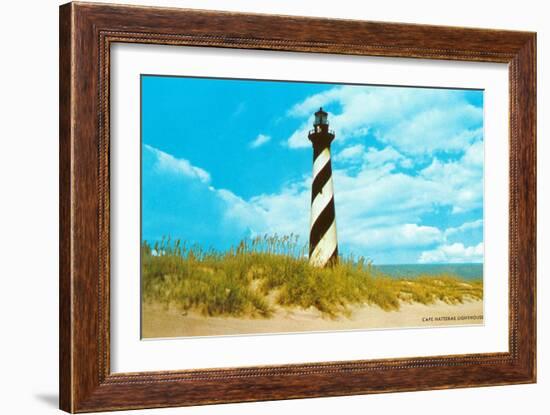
(465, 271)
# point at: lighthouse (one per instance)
(323, 243)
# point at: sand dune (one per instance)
(158, 321)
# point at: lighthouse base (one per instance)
(325, 253)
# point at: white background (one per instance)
(129, 354)
(29, 209)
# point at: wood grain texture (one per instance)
(86, 33)
(65, 247)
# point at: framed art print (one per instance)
(281, 241)
(253, 208)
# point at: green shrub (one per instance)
(242, 280)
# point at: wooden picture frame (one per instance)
(86, 33)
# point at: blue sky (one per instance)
(227, 159)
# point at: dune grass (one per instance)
(271, 271)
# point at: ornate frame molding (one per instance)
(86, 34)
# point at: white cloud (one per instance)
(376, 189)
(454, 253)
(413, 120)
(299, 139)
(372, 158)
(408, 235)
(283, 213)
(314, 102)
(436, 129)
(464, 227)
(375, 158)
(168, 163)
(351, 153)
(459, 183)
(260, 141)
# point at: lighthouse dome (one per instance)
(321, 117)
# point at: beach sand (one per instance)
(158, 321)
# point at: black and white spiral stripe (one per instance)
(323, 245)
